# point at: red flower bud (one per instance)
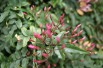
(40, 25)
(57, 39)
(31, 8)
(37, 36)
(49, 66)
(63, 46)
(82, 38)
(33, 47)
(45, 55)
(45, 8)
(48, 32)
(24, 13)
(48, 26)
(76, 28)
(54, 65)
(80, 32)
(49, 8)
(43, 32)
(74, 41)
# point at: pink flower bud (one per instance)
(78, 25)
(45, 55)
(63, 15)
(43, 32)
(91, 47)
(37, 36)
(63, 46)
(49, 66)
(57, 39)
(74, 41)
(45, 8)
(82, 38)
(48, 32)
(81, 60)
(49, 8)
(76, 28)
(33, 47)
(54, 65)
(80, 32)
(48, 26)
(24, 13)
(40, 25)
(31, 8)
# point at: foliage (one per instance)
(19, 19)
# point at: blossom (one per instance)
(63, 46)
(48, 66)
(82, 38)
(37, 36)
(43, 32)
(32, 47)
(49, 8)
(74, 41)
(40, 25)
(48, 32)
(45, 8)
(57, 39)
(45, 55)
(54, 65)
(48, 26)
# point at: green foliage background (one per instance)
(13, 21)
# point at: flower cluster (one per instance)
(54, 34)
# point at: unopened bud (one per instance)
(74, 41)
(32, 7)
(49, 8)
(57, 39)
(80, 32)
(40, 25)
(45, 8)
(45, 55)
(49, 66)
(82, 39)
(63, 46)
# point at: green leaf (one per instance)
(24, 31)
(19, 45)
(7, 48)
(25, 40)
(19, 23)
(57, 52)
(3, 16)
(74, 49)
(32, 29)
(3, 65)
(99, 55)
(24, 62)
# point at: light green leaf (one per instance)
(74, 49)
(19, 23)
(3, 16)
(32, 29)
(24, 31)
(57, 52)
(24, 62)
(25, 40)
